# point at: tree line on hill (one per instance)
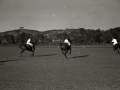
(80, 36)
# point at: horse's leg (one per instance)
(62, 51)
(115, 50)
(32, 53)
(118, 50)
(22, 52)
(66, 53)
(70, 51)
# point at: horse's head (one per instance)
(69, 39)
(19, 45)
(60, 44)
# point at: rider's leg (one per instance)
(31, 45)
(118, 47)
(32, 48)
(70, 49)
(114, 47)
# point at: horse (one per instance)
(27, 47)
(65, 48)
(116, 48)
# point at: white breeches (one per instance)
(67, 43)
(30, 44)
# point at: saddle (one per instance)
(28, 46)
(65, 45)
(117, 46)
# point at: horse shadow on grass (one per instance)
(45, 55)
(9, 60)
(79, 56)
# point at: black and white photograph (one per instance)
(59, 44)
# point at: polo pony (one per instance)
(65, 48)
(116, 48)
(27, 47)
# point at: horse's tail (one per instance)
(61, 44)
(19, 46)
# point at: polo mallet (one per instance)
(110, 34)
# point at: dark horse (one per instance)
(27, 47)
(65, 48)
(116, 48)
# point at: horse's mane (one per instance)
(63, 44)
(21, 44)
(69, 40)
(24, 44)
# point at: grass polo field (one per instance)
(85, 69)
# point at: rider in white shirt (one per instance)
(114, 41)
(66, 41)
(29, 42)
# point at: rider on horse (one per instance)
(68, 41)
(29, 43)
(115, 43)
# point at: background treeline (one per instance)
(80, 36)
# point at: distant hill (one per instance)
(53, 31)
(59, 31)
(19, 31)
(34, 32)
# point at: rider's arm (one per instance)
(28, 41)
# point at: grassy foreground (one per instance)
(90, 69)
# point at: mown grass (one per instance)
(90, 69)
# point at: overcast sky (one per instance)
(59, 14)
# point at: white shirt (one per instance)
(114, 41)
(28, 41)
(66, 41)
